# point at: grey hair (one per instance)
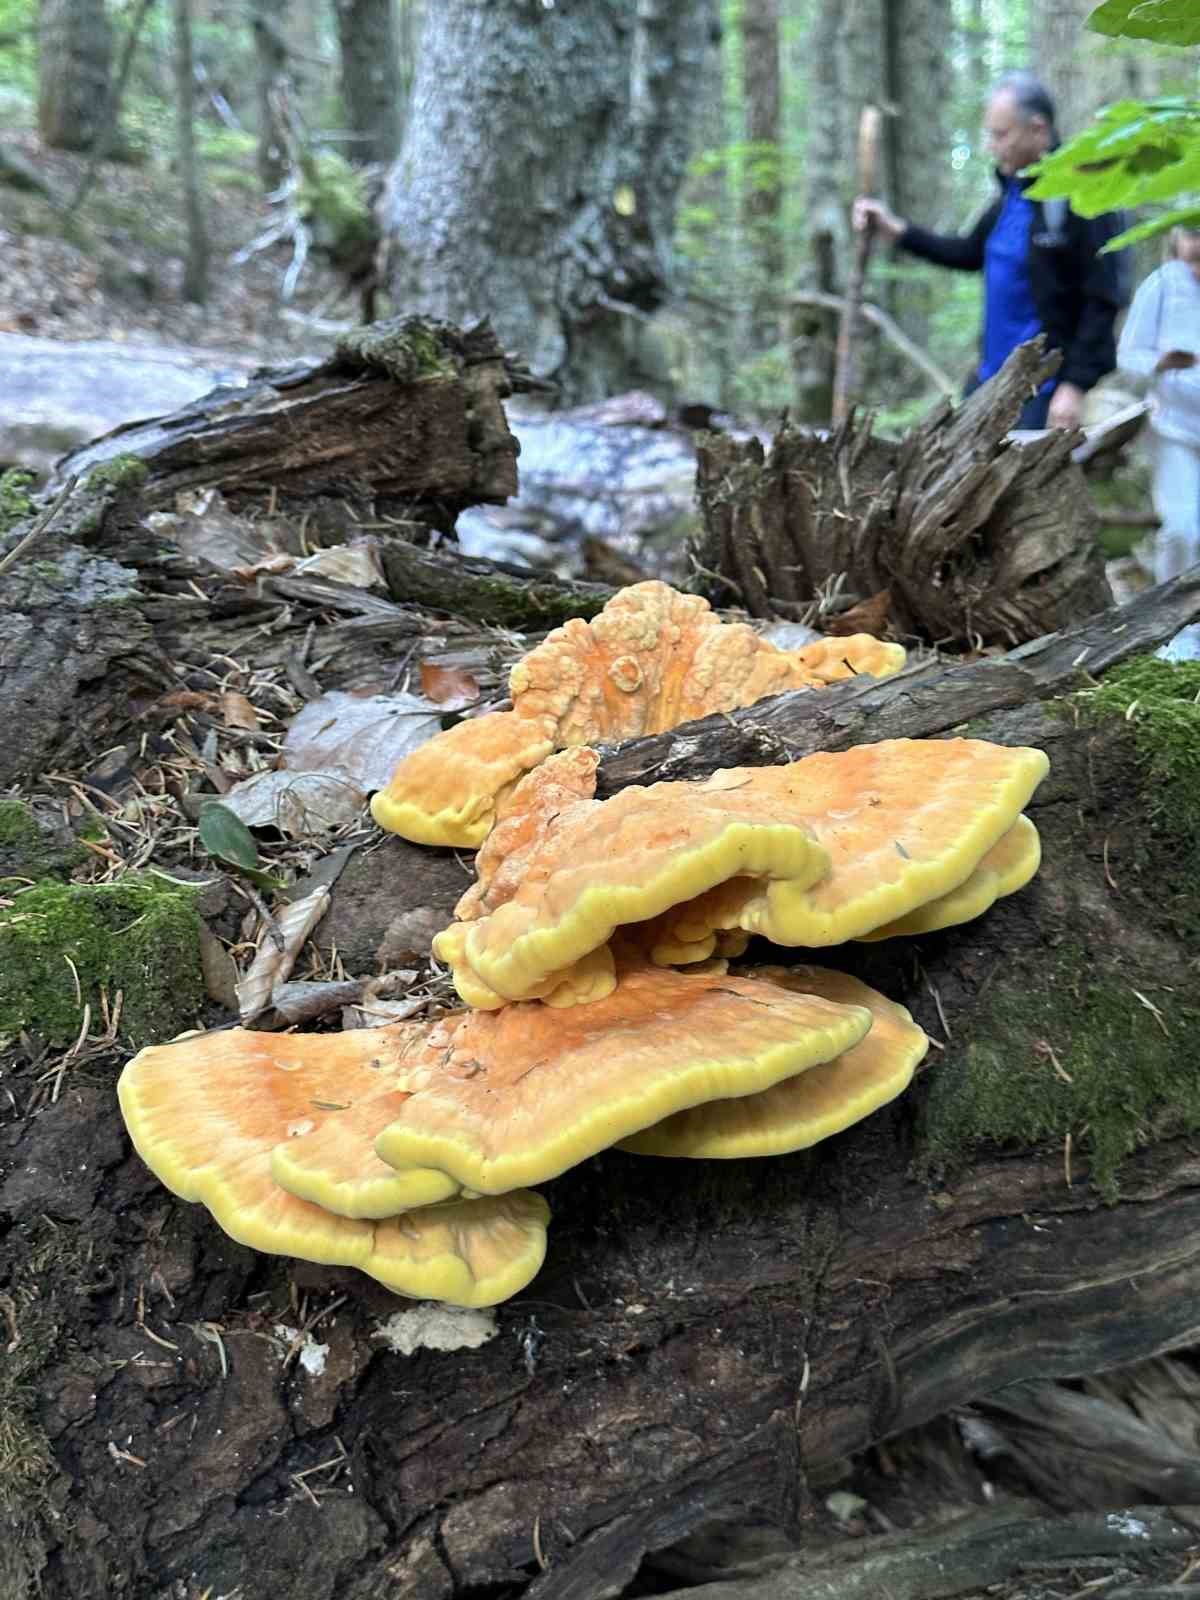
(1030, 94)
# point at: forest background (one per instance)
(312, 102)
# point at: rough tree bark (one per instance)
(370, 77)
(814, 329)
(763, 197)
(74, 58)
(706, 1340)
(537, 182)
(974, 536)
(267, 20)
(195, 272)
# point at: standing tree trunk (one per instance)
(538, 177)
(762, 194)
(270, 50)
(195, 272)
(370, 77)
(814, 328)
(74, 58)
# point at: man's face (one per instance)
(1014, 140)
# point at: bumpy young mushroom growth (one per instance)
(812, 1106)
(652, 659)
(207, 1113)
(501, 1099)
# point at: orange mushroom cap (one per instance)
(620, 861)
(1006, 867)
(904, 822)
(208, 1112)
(500, 1099)
(653, 658)
(445, 791)
(814, 1105)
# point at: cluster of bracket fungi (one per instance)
(592, 955)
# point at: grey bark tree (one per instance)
(762, 202)
(814, 328)
(74, 61)
(370, 77)
(195, 272)
(538, 177)
(268, 21)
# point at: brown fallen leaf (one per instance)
(868, 616)
(238, 712)
(450, 687)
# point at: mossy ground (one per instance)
(1092, 1037)
(29, 850)
(138, 936)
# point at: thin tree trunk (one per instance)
(110, 117)
(270, 50)
(370, 79)
(74, 57)
(195, 275)
(814, 330)
(762, 192)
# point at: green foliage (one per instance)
(1163, 21)
(225, 836)
(15, 503)
(1123, 1072)
(18, 48)
(332, 199)
(1136, 153)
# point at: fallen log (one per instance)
(405, 413)
(706, 1338)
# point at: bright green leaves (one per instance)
(1136, 153)
(1163, 21)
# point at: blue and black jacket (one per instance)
(1077, 292)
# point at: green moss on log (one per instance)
(1062, 1050)
(1090, 1040)
(15, 503)
(139, 936)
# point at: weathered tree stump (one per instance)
(976, 537)
(705, 1336)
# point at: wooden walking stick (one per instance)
(846, 378)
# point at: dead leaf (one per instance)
(272, 965)
(238, 712)
(448, 687)
(868, 616)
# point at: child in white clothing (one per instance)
(1161, 341)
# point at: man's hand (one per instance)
(1175, 361)
(1066, 407)
(868, 213)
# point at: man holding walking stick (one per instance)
(1041, 264)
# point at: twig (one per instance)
(39, 527)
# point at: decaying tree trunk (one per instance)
(707, 1340)
(405, 413)
(975, 536)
